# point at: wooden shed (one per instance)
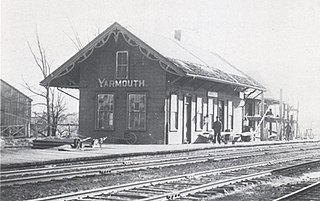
(160, 89)
(15, 111)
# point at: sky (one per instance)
(277, 38)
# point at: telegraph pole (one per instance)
(262, 134)
(297, 122)
(281, 118)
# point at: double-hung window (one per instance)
(137, 111)
(174, 112)
(105, 111)
(122, 65)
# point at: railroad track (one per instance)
(81, 170)
(189, 186)
(87, 165)
(310, 192)
(86, 161)
(109, 168)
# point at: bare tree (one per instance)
(75, 37)
(57, 110)
(41, 60)
(54, 102)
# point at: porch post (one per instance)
(28, 127)
(262, 134)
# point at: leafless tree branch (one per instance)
(38, 93)
(76, 38)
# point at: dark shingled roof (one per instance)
(174, 56)
(192, 69)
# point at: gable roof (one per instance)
(173, 56)
(4, 84)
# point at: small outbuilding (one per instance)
(15, 111)
(160, 89)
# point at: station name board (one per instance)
(213, 94)
(121, 83)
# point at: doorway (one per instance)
(221, 113)
(187, 119)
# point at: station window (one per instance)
(137, 111)
(105, 111)
(230, 115)
(122, 64)
(199, 115)
(174, 112)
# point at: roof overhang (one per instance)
(224, 81)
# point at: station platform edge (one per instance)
(24, 157)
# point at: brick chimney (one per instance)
(177, 35)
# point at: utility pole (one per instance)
(281, 117)
(293, 123)
(297, 123)
(288, 121)
(262, 135)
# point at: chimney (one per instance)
(177, 35)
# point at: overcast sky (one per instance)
(278, 38)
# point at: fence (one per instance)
(62, 130)
(38, 130)
(15, 131)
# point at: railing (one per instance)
(38, 130)
(62, 130)
(67, 130)
(15, 131)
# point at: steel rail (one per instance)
(105, 190)
(298, 192)
(114, 163)
(157, 164)
(129, 166)
(208, 186)
(104, 163)
(44, 170)
(100, 164)
(55, 168)
(292, 167)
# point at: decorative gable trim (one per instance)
(114, 30)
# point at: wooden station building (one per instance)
(164, 91)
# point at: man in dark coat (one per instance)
(288, 131)
(217, 126)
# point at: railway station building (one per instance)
(162, 90)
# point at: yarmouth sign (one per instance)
(121, 83)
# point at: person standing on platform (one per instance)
(288, 131)
(217, 126)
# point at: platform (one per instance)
(18, 157)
